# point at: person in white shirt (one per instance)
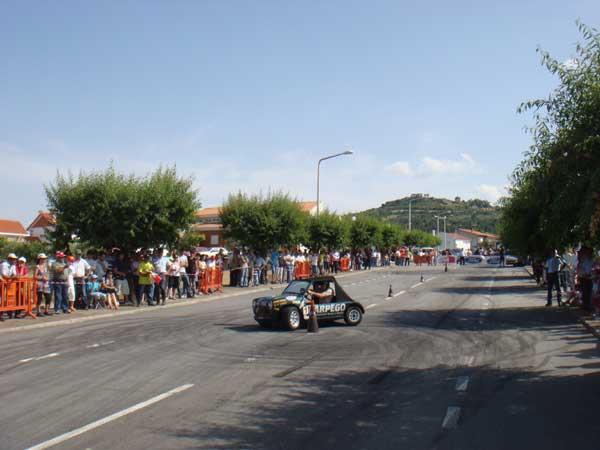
(8, 269)
(173, 273)
(81, 269)
(183, 265)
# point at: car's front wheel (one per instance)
(290, 318)
(353, 316)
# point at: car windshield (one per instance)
(297, 287)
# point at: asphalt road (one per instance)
(469, 359)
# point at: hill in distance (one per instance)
(473, 214)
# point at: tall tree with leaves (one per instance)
(107, 209)
(327, 230)
(556, 188)
(263, 223)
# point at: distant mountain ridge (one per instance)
(473, 214)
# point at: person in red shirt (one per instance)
(22, 270)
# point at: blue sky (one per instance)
(248, 95)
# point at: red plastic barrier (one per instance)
(302, 270)
(345, 264)
(212, 281)
(18, 294)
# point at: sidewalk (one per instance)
(12, 325)
(585, 317)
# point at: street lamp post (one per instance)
(347, 152)
(445, 235)
(410, 214)
(438, 229)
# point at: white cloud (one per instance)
(491, 192)
(399, 168)
(432, 166)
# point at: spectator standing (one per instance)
(289, 264)
(121, 271)
(173, 273)
(314, 263)
(274, 266)
(21, 269)
(145, 269)
(8, 268)
(59, 279)
(192, 273)
(184, 281)
(244, 277)
(584, 270)
(81, 269)
(43, 285)
(70, 283)
(101, 266)
(554, 266)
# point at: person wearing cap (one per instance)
(59, 278)
(22, 270)
(42, 277)
(8, 269)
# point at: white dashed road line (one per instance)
(416, 285)
(98, 423)
(99, 344)
(452, 417)
(429, 279)
(373, 305)
(39, 358)
(399, 293)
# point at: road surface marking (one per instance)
(469, 360)
(49, 355)
(399, 293)
(429, 279)
(416, 285)
(452, 416)
(98, 423)
(462, 383)
(99, 344)
(372, 306)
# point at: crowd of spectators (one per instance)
(66, 283)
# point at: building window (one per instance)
(214, 239)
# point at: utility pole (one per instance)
(445, 235)
(409, 215)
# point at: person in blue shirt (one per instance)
(274, 266)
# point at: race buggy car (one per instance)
(290, 309)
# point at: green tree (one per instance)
(29, 250)
(263, 223)
(556, 187)
(392, 235)
(107, 209)
(365, 232)
(327, 230)
(419, 238)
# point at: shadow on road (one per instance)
(404, 408)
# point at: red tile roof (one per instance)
(204, 212)
(44, 219)
(478, 233)
(307, 206)
(12, 227)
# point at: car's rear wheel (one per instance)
(353, 316)
(290, 318)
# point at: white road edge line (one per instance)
(373, 305)
(452, 416)
(416, 285)
(462, 383)
(98, 423)
(399, 293)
